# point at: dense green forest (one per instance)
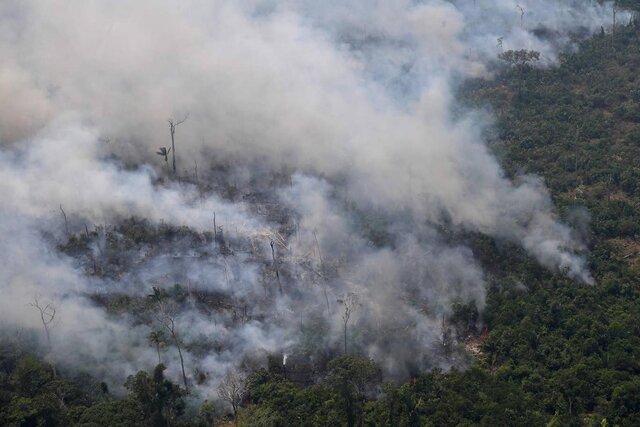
(552, 352)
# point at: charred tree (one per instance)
(173, 124)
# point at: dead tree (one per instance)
(66, 224)
(275, 266)
(47, 316)
(521, 9)
(167, 319)
(349, 304)
(218, 235)
(195, 163)
(233, 389)
(173, 124)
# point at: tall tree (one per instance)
(167, 318)
(173, 124)
(349, 304)
(233, 389)
(157, 339)
(47, 316)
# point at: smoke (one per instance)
(325, 127)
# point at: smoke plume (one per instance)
(322, 135)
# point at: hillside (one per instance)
(555, 353)
(340, 252)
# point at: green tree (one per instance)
(351, 378)
(160, 401)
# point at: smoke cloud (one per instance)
(305, 120)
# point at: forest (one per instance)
(454, 243)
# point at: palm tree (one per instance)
(157, 338)
(165, 153)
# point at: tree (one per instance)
(157, 339)
(47, 316)
(66, 224)
(30, 395)
(167, 319)
(159, 399)
(521, 10)
(173, 124)
(626, 402)
(275, 266)
(352, 378)
(520, 60)
(233, 389)
(162, 151)
(125, 412)
(349, 304)
(207, 414)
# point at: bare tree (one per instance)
(47, 316)
(167, 319)
(233, 389)
(66, 224)
(173, 124)
(349, 304)
(275, 266)
(195, 163)
(521, 9)
(217, 231)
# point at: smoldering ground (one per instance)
(303, 118)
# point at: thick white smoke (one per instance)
(354, 99)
